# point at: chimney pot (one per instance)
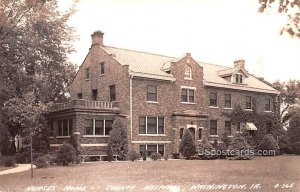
(97, 38)
(240, 63)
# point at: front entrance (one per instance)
(192, 131)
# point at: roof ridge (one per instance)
(141, 52)
(216, 65)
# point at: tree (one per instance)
(290, 8)
(294, 126)
(34, 44)
(118, 142)
(24, 117)
(187, 145)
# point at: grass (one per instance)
(99, 176)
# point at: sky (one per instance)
(213, 31)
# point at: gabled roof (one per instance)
(229, 72)
(155, 66)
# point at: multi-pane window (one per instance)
(64, 127)
(188, 72)
(79, 95)
(102, 71)
(248, 102)
(267, 104)
(152, 148)
(213, 99)
(94, 94)
(87, 73)
(188, 95)
(238, 78)
(97, 127)
(238, 126)
(213, 129)
(151, 93)
(227, 100)
(112, 93)
(181, 133)
(228, 127)
(151, 125)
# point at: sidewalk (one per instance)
(20, 168)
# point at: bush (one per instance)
(296, 148)
(268, 143)
(65, 154)
(43, 161)
(175, 155)
(187, 145)
(241, 148)
(8, 161)
(133, 155)
(284, 145)
(166, 157)
(204, 150)
(155, 156)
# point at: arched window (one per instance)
(188, 72)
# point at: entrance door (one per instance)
(192, 131)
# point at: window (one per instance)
(51, 129)
(213, 127)
(87, 73)
(151, 93)
(213, 99)
(238, 126)
(238, 78)
(248, 102)
(151, 125)
(102, 71)
(150, 148)
(97, 127)
(94, 94)
(79, 95)
(227, 100)
(188, 72)
(228, 127)
(64, 127)
(267, 104)
(112, 93)
(181, 133)
(188, 95)
(200, 133)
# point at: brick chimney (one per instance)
(240, 63)
(97, 38)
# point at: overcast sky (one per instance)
(213, 31)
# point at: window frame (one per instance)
(210, 99)
(157, 125)
(156, 93)
(79, 95)
(188, 72)
(226, 101)
(146, 149)
(94, 128)
(61, 126)
(210, 123)
(87, 73)
(112, 93)
(251, 103)
(101, 68)
(267, 103)
(188, 90)
(225, 128)
(238, 78)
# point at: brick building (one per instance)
(157, 97)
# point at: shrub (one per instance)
(268, 143)
(155, 156)
(133, 155)
(118, 142)
(144, 154)
(109, 153)
(175, 155)
(8, 161)
(222, 147)
(65, 154)
(205, 149)
(284, 145)
(187, 145)
(166, 157)
(43, 161)
(296, 148)
(241, 148)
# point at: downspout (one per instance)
(130, 103)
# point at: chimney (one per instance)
(240, 63)
(97, 38)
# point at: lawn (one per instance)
(270, 172)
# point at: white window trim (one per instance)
(250, 109)
(146, 146)
(62, 124)
(233, 78)
(156, 94)
(217, 135)
(211, 106)
(190, 76)
(188, 88)
(94, 129)
(230, 101)
(62, 137)
(152, 134)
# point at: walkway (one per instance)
(20, 168)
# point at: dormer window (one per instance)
(238, 78)
(188, 72)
